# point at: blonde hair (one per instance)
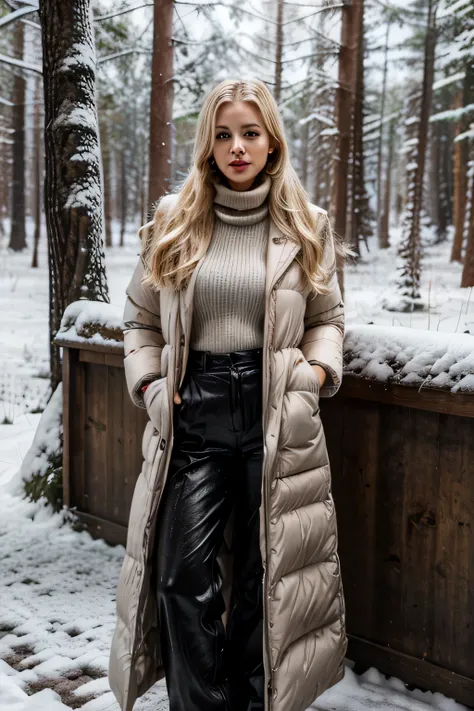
(180, 236)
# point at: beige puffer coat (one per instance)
(304, 614)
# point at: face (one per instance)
(240, 136)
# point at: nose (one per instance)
(237, 146)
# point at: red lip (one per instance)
(239, 162)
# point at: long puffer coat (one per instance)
(304, 637)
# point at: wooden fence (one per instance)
(403, 480)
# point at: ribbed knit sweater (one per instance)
(229, 295)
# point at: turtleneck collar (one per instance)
(242, 207)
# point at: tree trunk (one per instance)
(443, 204)
(468, 268)
(383, 241)
(411, 248)
(347, 78)
(17, 206)
(105, 151)
(278, 50)
(385, 217)
(37, 169)
(142, 182)
(360, 219)
(304, 145)
(460, 185)
(161, 101)
(73, 200)
(124, 194)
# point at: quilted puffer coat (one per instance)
(304, 637)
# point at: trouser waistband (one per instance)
(205, 360)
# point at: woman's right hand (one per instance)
(177, 398)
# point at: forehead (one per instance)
(238, 113)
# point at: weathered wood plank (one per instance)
(413, 671)
(403, 395)
(118, 503)
(134, 421)
(112, 359)
(76, 419)
(419, 521)
(355, 491)
(388, 614)
(113, 347)
(99, 527)
(96, 439)
(68, 382)
(454, 555)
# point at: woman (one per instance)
(233, 330)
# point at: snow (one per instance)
(410, 356)
(73, 115)
(81, 54)
(57, 584)
(46, 442)
(459, 76)
(20, 63)
(454, 9)
(92, 322)
(12, 16)
(452, 114)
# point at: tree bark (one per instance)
(383, 241)
(124, 194)
(468, 268)
(460, 186)
(105, 151)
(360, 220)
(384, 236)
(37, 169)
(161, 101)
(278, 50)
(73, 199)
(410, 247)
(18, 207)
(347, 78)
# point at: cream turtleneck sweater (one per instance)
(229, 304)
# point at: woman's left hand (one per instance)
(321, 373)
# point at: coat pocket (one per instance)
(152, 400)
(309, 374)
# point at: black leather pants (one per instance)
(215, 468)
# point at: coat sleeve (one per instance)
(142, 333)
(322, 342)
(142, 336)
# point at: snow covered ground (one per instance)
(57, 585)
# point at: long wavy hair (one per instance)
(180, 236)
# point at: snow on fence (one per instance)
(400, 436)
(426, 359)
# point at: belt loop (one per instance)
(204, 362)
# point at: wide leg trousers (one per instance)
(215, 470)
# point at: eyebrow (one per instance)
(244, 125)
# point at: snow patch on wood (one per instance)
(410, 356)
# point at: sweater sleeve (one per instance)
(322, 342)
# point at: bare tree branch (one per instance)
(20, 63)
(13, 16)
